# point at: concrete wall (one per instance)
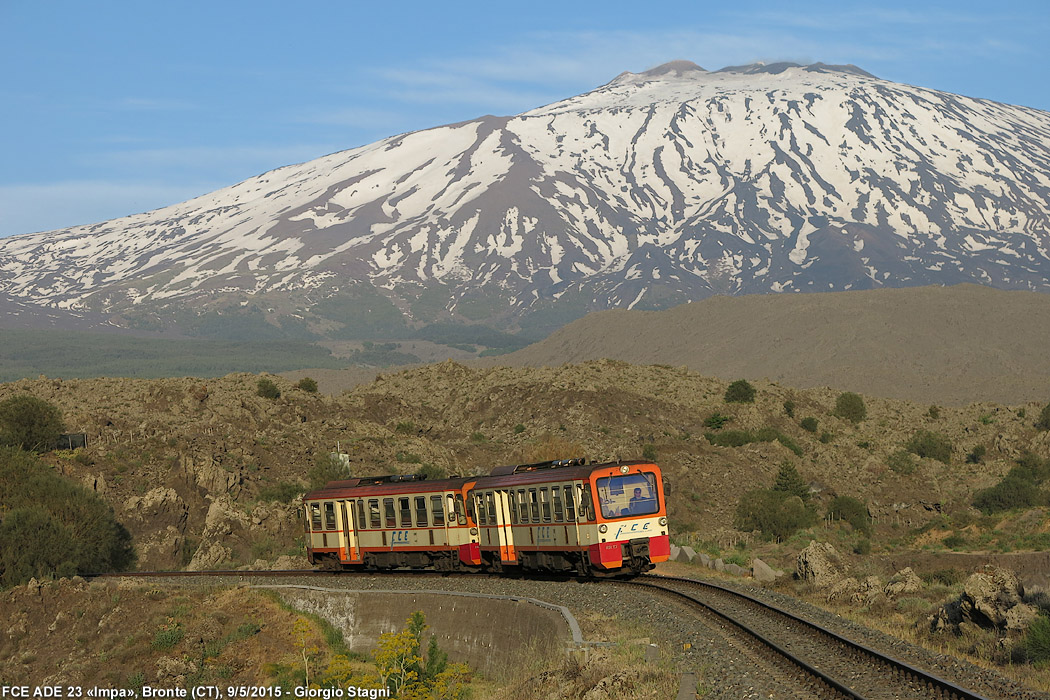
(492, 636)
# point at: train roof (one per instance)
(510, 475)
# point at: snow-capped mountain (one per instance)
(656, 188)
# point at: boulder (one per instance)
(686, 555)
(820, 564)
(735, 570)
(991, 598)
(762, 572)
(903, 582)
(704, 559)
(675, 549)
(719, 565)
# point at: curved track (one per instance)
(810, 660)
(827, 664)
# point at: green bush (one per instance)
(52, 526)
(809, 424)
(740, 391)
(926, 443)
(1044, 418)
(307, 384)
(902, 462)
(432, 471)
(282, 492)
(954, 541)
(326, 468)
(934, 412)
(1037, 640)
(776, 514)
(976, 454)
(716, 421)
(1020, 488)
(851, 510)
(851, 407)
(29, 423)
(519, 428)
(862, 547)
(738, 438)
(267, 389)
(649, 451)
(789, 408)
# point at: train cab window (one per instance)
(490, 506)
(329, 516)
(523, 506)
(586, 503)
(361, 515)
(559, 512)
(626, 495)
(374, 519)
(315, 516)
(534, 506)
(406, 511)
(545, 504)
(421, 511)
(461, 516)
(570, 505)
(388, 508)
(438, 510)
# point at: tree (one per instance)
(267, 389)
(740, 391)
(30, 423)
(791, 482)
(308, 384)
(851, 407)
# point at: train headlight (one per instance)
(603, 528)
(473, 531)
(624, 469)
(663, 520)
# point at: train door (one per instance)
(349, 549)
(504, 526)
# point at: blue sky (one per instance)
(112, 108)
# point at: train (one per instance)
(560, 517)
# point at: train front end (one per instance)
(631, 518)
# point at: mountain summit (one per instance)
(656, 188)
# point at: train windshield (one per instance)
(628, 495)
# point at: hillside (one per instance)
(946, 345)
(201, 473)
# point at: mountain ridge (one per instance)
(671, 185)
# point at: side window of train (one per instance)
(471, 510)
(438, 510)
(512, 505)
(545, 504)
(490, 504)
(421, 511)
(406, 511)
(315, 516)
(483, 516)
(534, 506)
(375, 521)
(388, 507)
(586, 503)
(523, 506)
(329, 516)
(559, 512)
(570, 504)
(461, 516)
(361, 525)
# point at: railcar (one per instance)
(561, 516)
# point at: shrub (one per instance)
(326, 468)
(809, 424)
(826, 437)
(1020, 488)
(791, 482)
(1037, 640)
(863, 546)
(740, 391)
(29, 423)
(851, 510)
(267, 389)
(789, 408)
(432, 471)
(738, 438)
(649, 451)
(307, 384)
(902, 462)
(716, 421)
(851, 407)
(934, 412)
(282, 492)
(954, 541)
(776, 514)
(1044, 418)
(54, 527)
(976, 454)
(926, 443)
(519, 428)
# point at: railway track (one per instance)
(806, 659)
(818, 662)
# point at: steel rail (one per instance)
(941, 684)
